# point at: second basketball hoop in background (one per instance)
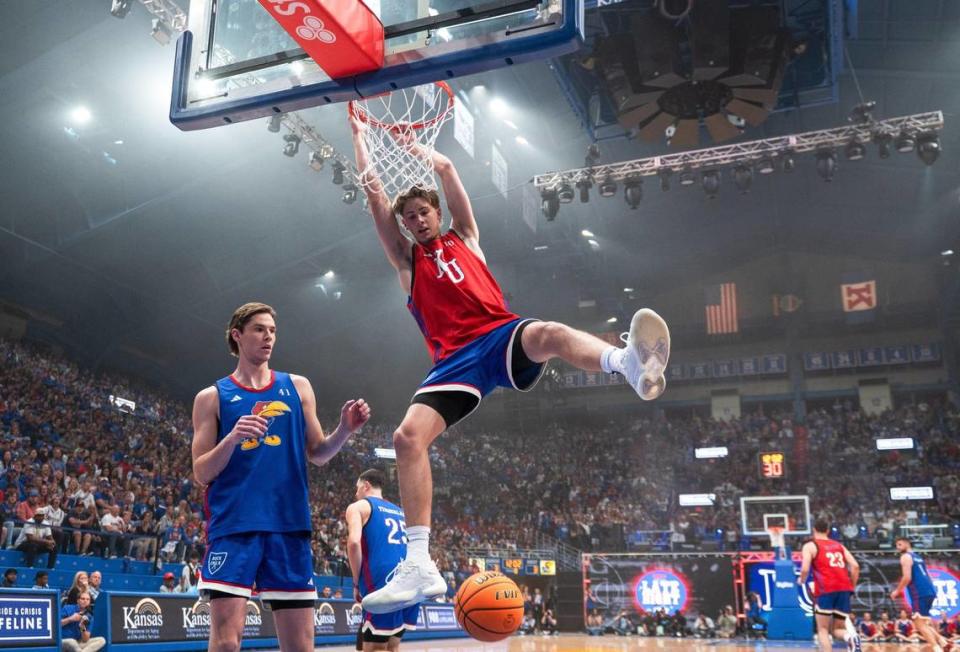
(401, 129)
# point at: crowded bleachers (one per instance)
(116, 491)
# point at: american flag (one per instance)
(721, 309)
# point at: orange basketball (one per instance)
(489, 606)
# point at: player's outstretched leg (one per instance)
(646, 354)
(642, 361)
(416, 578)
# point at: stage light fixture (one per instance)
(765, 165)
(883, 144)
(743, 178)
(826, 164)
(855, 150)
(292, 145)
(120, 8)
(687, 177)
(904, 142)
(274, 125)
(565, 193)
(338, 170)
(633, 191)
(608, 187)
(161, 31)
(863, 113)
(711, 182)
(349, 193)
(583, 187)
(549, 203)
(789, 161)
(316, 161)
(592, 156)
(665, 175)
(928, 147)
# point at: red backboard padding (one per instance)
(343, 36)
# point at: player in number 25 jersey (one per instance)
(376, 544)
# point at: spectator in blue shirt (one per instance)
(76, 622)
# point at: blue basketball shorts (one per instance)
(276, 565)
(921, 605)
(836, 603)
(456, 385)
(391, 624)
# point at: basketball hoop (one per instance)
(402, 127)
(777, 543)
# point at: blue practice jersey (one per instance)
(263, 488)
(920, 582)
(384, 544)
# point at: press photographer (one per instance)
(76, 621)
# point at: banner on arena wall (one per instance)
(926, 352)
(162, 619)
(858, 297)
(29, 619)
(498, 171)
(772, 364)
(463, 127)
(878, 575)
(137, 619)
(646, 584)
(530, 200)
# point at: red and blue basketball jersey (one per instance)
(263, 488)
(454, 297)
(830, 573)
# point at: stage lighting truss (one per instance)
(320, 149)
(782, 148)
(171, 15)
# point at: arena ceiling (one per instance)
(136, 264)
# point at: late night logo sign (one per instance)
(661, 589)
(948, 592)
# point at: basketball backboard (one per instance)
(235, 62)
(759, 513)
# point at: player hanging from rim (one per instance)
(923, 594)
(254, 432)
(835, 574)
(376, 543)
(477, 344)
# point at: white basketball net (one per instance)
(777, 540)
(402, 128)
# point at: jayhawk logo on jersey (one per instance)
(269, 410)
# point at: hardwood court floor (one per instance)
(581, 643)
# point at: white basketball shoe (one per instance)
(411, 583)
(646, 355)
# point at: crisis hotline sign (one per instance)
(661, 588)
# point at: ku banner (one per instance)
(858, 297)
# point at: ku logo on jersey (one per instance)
(269, 410)
(450, 269)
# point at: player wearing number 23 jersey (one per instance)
(835, 574)
(830, 574)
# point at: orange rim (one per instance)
(361, 114)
